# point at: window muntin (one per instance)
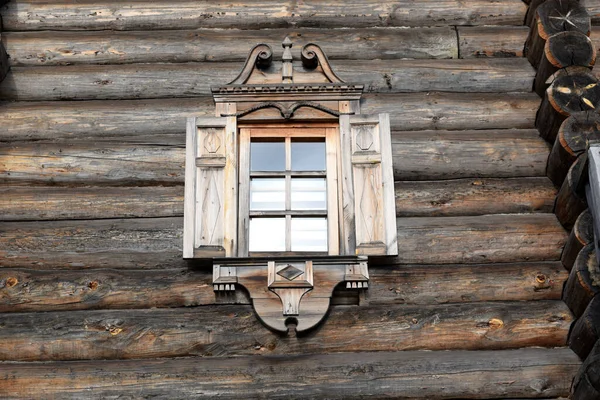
(290, 200)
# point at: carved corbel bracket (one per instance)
(289, 291)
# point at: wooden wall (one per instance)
(91, 164)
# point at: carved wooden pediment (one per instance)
(286, 85)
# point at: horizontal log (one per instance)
(411, 374)
(231, 45)
(416, 111)
(586, 330)
(188, 14)
(492, 238)
(491, 41)
(413, 199)
(593, 8)
(145, 81)
(150, 243)
(234, 331)
(472, 197)
(466, 154)
(161, 159)
(32, 203)
(61, 290)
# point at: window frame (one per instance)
(330, 132)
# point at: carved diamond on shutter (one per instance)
(210, 212)
(367, 186)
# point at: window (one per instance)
(288, 189)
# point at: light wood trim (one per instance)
(189, 209)
(389, 201)
(332, 155)
(230, 200)
(287, 132)
(348, 236)
(244, 192)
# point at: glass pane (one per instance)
(267, 234)
(309, 234)
(267, 194)
(267, 156)
(308, 156)
(309, 194)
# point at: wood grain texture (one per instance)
(151, 243)
(30, 203)
(30, 290)
(415, 111)
(473, 197)
(234, 331)
(490, 41)
(160, 159)
(187, 14)
(491, 238)
(231, 45)
(438, 375)
(483, 153)
(146, 81)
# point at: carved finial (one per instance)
(287, 70)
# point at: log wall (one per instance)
(91, 202)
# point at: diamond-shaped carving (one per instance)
(290, 272)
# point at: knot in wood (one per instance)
(12, 281)
(93, 285)
(541, 278)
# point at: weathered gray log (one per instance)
(408, 374)
(581, 235)
(586, 330)
(27, 203)
(491, 41)
(572, 138)
(235, 331)
(563, 50)
(133, 81)
(573, 89)
(472, 197)
(551, 17)
(571, 199)
(444, 154)
(151, 243)
(491, 238)
(159, 159)
(584, 281)
(188, 14)
(231, 45)
(63, 290)
(586, 384)
(416, 111)
(413, 199)
(593, 8)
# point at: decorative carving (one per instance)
(313, 56)
(287, 111)
(260, 56)
(290, 291)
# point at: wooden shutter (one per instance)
(210, 212)
(368, 202)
